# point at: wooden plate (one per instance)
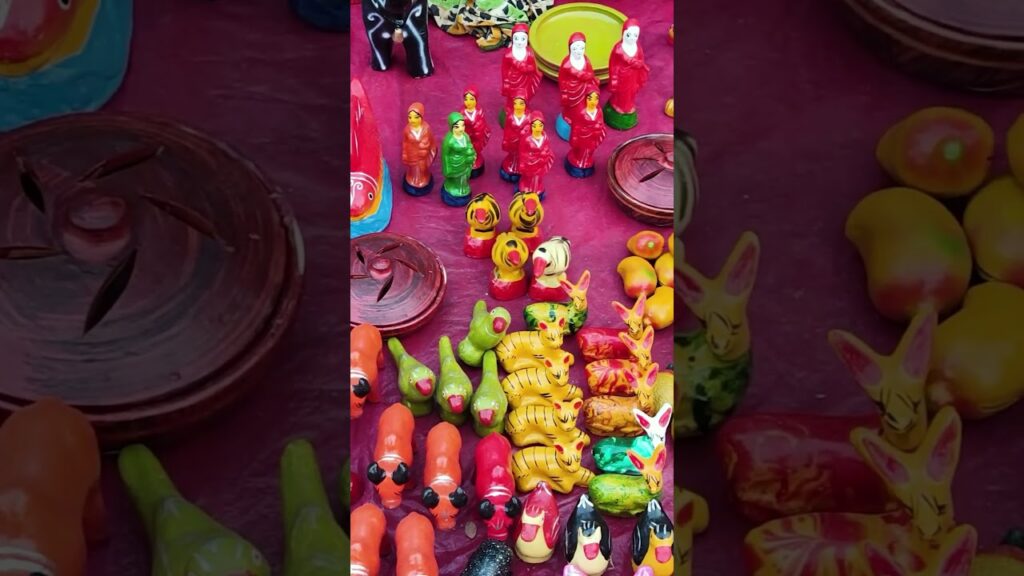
(397, 282)
(549, 35)
(687, 189)
(641, 176)
(146, 271)
(977, 45)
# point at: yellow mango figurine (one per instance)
(661, 307)
(664, 267)
(994, 223)
(560, 466)
(638, 276)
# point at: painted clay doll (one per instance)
(486, 329)
(415, 380)
(370, 191)
(482, 216)
(368, 527)
(403, 21)
(457, 159)
(627, 74)
(604, 343)
(588, 131)
(518, 350)
(550, 262)
(653, 541)
(545, 425)
(492, 558)
(495, 486)
(526, 213)
(574, 76)
(543, 386)
(50, 479)
(575, 312)
(561, 466)
(391, 468)
(517, 123)
(489, 402)
(184, 539)
(454, 389)
(476, 127)
(535, 156)
(609, 377)
(442, 475)
(414, 547)
(537, 534)
(508, 281)
(628, 495)
(419, 148)
(588, 541)
(366, 359)
(612, 454)
(613, 415)
(519, 73)
(313, 533)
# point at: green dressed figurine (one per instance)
(457, 159)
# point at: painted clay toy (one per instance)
(518, 350)
(419, 148)
(454, 389)
(646, 244)
(313, 533)
(627, 74)
(495, 486)
(604, 343)
(366, 358)
(486, 329)
(368, 528)
(370, 194)
(627, 495)
(992, 219)
(515, 125)
(535, 156)
(414, 547)
(661, 308)
(638, 276)
(670, 107)
(537, 534)
(685, 511)
(482, 216)
(543, 386)
(588, 131)
(489, 402)
(654, 541)
(551, 437)
(391, 468)
(50, 476)
(476, 127)
(492, 558)
(561, 466)
(442, 475)
(403, 21)
(508, 281)
(713, 363)
(457, 159)
(588, 540)
(664, 267)
(574, 76)
(612, 454)
(526, 214)
(550, 262)
(953, 555)
(544, 425)
(184, 539)
(575, 312)
(609, 376)
(415, 380)
(520, 76)
(613, 415)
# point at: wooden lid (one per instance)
(641, 177)
(145, 271)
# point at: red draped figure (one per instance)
(519, 72)
(574, 75)
(476, 127)
(627, 74)
(535, 156)
(588, 132)
(516, 125)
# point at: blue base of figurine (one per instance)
(540, 196)
(477, 172)
(508, 176)
(82, 82)
(327, 15)
(577, 172)
(562, 128)
(414, 191)
(382, 218)
(455, 201)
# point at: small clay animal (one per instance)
(526, 214)
(508, 281)
(613, 415)
(368, 527)
(625, 495)
(654, 541)
(588, 540)
(366, 357)
(489, 402)
(575, 312)
(560, 466)
(519, 350)
(537, 534)
(539, 424)
(610, 376)
(442, 475)
(414, 547)
(486, 329)
(550, 262)
(536, 386)
(392, 455)
(454, 389)
(415, 380)
(313, 533)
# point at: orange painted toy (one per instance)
(368, 527)
(610, 376)
(366, 359)
(442, 475)
(613, 415)
(50, 500)
(414, 546)
(604, 343)
(392, 456)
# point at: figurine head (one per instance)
(519, 106)
(639, 349)
(551, 333)
(509, 252)
(29, 28)
(415, 114)
(653, 536)
(570, 457)
(650, 467)
(655, 428)
(483, 212)
(953, 556)
(552, 257)
(577, 293)
(566, 413)
(642, 380)
(631, 31)
(593, 97)
(520, 36)
(558, 369)
(526, 211)
(634, 317)
(457, 124)
(588, 543)
(537, 124)
(577, 45)
(469, 96)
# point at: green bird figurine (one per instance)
(489, 402)
(415, 380)
(314, 546)
(186, 541)
(486, 329)
(454, 389)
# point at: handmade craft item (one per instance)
(670, 108)
(612, 454)
(714, 361)
(646, 244)
(953, 555)
(402, 21)
(993, 219)
(665, 391)
(312, 532)
(442, 475)
(574, 76)
(537, 534)
(561, 466)
(664, 267)
(368, 528)
(627, 495)
(419, 148)
(519, 74)
(518, 350)
(604, 343)
(627, 74)
(914, 251)
(529, 386)
(575, 313)
(366, 358)
(515, 125)
(545, 425)
(495, 486)
(587, 134)
(550, 263)
(647, 182)
(482, 216)
(370, 193)
(508, 281)
(1015, 148)
(608, 377)
(526, 214)
(613, 415)
(492, 558)
(486, 329)
(638, 276)
(392, 455)
(535, 156)
(415, 380)
(51, 472)
(476, 127)
(588, 540)
(454, 389)
(489, 402)
(654, 541)
(414, 547)
(184, 539)
(660, 312)
(457, 159)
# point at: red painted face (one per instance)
(29, 28)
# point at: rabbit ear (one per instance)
(915, 349)
(880, 562)
(636, 460)
(692, 285)
(741, 267)
(885, 460)
(642, 419)
(648, 339)
(640, 306)
(860, 359)
(584, 283)
(631, 345)
(941, 445)
(956, 552)
(664, 415)
(622, 310)
(660, 457)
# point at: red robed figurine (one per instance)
(519, 73)
(587, 134)
(499, 506)
(574, 75)
(517, 123)
(535, 156)
(476, 127)
(627, 74)
(419, 148)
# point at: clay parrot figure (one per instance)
(489, 401)
(314, 537)
(415, 380)
(486, 329)
(454, 389)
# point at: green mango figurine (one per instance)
(314, 537)
(486, 329)
(489, 402)
(415, 380)
(454, 389)
(186, 541)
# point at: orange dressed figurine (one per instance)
(574, 75)
(535, 156)
(627, 74)
(419, 148)
(587, 134)
(516, 125)
(476, 127)
(520, 76)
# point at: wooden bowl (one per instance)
(687, 188)
(146, 272)
(976, 45)
(641, 177)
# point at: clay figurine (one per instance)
(508, 281)
(184, 539)
(312, 531)
(612, 454)
(403, 21)
(638, 276)
(476, 127)
(366, 358)
(627, 495)
(515, 126)
(661, 308)
(574, 76)
(537, 534)
(392, 455)
(489, 402)
(457, 159)
(526, 213)
(588, 132)
(370, 192)
(540, 385)
(561, 466)
(368, 528)
(610, 376)
(454, 389)
(415, 380)
(653, 541)
(482, 216)
(492, 558)
(613, 415)
(520, 76)
(627, 74)
(535, 156)
(486, 329)
(550, 262)
(499, 507)
(545, 425)
(518, 350)
(419, 148)
(414, 547)
(588, 541)
(575, 313)
(50, 480)
(604, 343)
(442, 475)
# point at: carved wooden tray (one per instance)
(146, 272)
(642, 178)
(397, 283)
(976, 45)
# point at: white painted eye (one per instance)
(64, 4)
(370, 196)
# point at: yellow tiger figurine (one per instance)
(526, 213)
(538, 421)
(536, 386)
(483, 216)
(560, 466)
(529, 348)
(509, 255)
(549, 437)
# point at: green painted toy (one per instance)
(415, 380)
(612, 454)
(313, 534)
(185, 540)
(486, 329)
(575, 312)
(454, 389)
(489, 402)
(627, 495)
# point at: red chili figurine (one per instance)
(499, 506)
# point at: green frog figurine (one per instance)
(486, 329)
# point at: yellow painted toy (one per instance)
(509, 255)
(549, 437)
(518, 350)
(994, 223)
(574, 313)
(483, 216)
(538, 424)
(540, 386)
(613, 415)
(660, 311)
(560, 466)
(628, 495)
(525, 214)
(610, 376)
(654, 541)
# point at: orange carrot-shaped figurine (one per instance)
(392, 456)
(366, 358)
(414, 546)
(50, 501)
(442, 475)
(368, 526)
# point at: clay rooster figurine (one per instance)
(527, 349)
(486, 329)
(415, 380)
(550, 262)
(653, 541)
(627, 495)
(509, 255)
(454, 389)
(366, 356)
(499, 506)
(537, 534)
(575, 313)
(313, 534)
(414, 547)
(482, 216)
(184, 539)
(588, 541)
(368, 527)
(613, 415)
(561, 466)
(604, 343)
(489, 403)
(526, 214)
(49, 481)
(392, 455)
(442, 475)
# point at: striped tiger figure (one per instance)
(528, 348)
(549, 437)
(483, 215)
(560, 466)
(509, 257)
(526, 394)
(538, 382)
(560, 415)
(526, 213)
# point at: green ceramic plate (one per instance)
(549, 34)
